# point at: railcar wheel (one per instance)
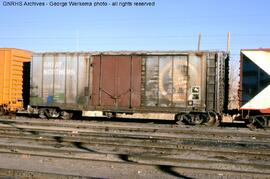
(199, 119)
(213, 119)
(42, 113)
(66, 115)
(53, 113)
(187, 119)
(259, 121)
(179, 118)
(2, 111)
(110, 115)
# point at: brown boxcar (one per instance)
(12, 66)
(111, 83)
(117, 81)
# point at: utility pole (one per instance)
(77, 40)
(199, 41)
(229, 42)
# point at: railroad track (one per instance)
(166, 142)
(237, 151)
(21, 174)
(150, 129)
(216, 165)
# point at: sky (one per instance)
(169, 25)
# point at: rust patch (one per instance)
(117, 81)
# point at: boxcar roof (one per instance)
(135, 52)
(4, 48)
(258, 49)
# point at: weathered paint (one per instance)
(166, 81)
(172, 81)
(116, 81)
(130, 81)
(60, 79)
(11, 77)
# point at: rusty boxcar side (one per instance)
(130, 82)
(11, 78)
(165, 82)
(116, 81)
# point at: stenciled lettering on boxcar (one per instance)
(57, 69)
(59, 78)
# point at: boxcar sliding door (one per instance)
(116, 81)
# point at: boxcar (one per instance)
(60, 83)
(190, 85)
(14, 79)
(254, 89)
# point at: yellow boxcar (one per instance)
(11, 78)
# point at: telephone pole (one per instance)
(199, 41)
(229, 42)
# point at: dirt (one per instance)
(83, 168)
(99, 169)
